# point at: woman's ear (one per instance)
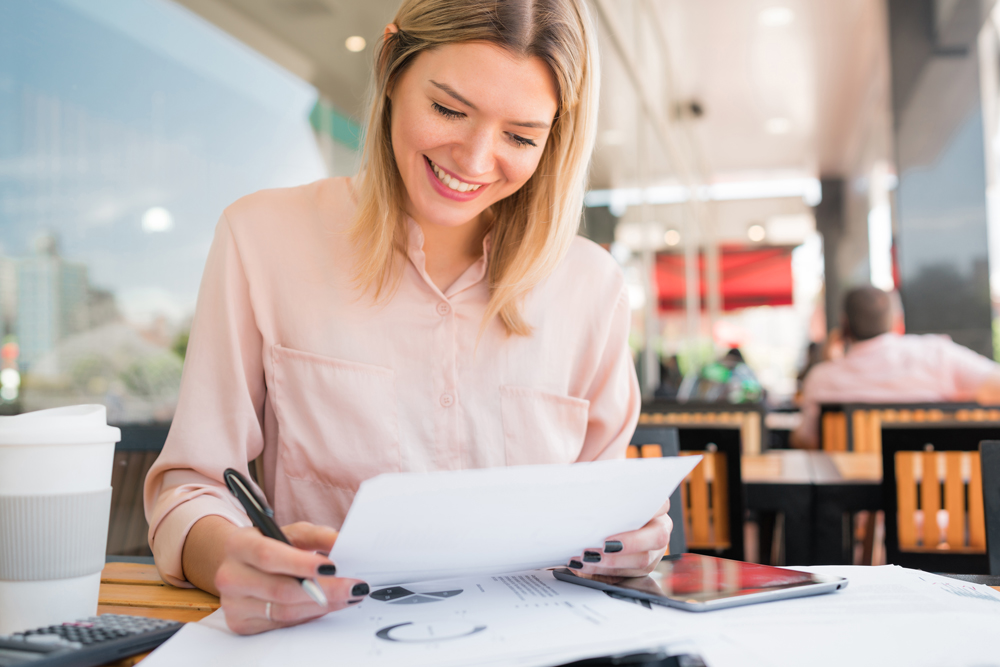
(390, 29)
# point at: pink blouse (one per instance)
(288, 361)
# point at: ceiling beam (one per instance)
(254, 35)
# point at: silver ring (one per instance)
(267, 612)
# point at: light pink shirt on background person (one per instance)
(891, 368)
(288, 360)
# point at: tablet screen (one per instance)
(693, 578)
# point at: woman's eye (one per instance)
(446, 112)
(521, 141)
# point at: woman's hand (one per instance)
(631, 554)
(257, 585)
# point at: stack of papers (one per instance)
(485, 524)
(527, 619)
(479, 529)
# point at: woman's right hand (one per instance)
(257, 578)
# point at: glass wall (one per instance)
(126, 126)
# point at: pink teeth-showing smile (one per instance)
(449, 186)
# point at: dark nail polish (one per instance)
(591, 557)
(359, 590)
(612, 546)
(576, 565)
(353, 601)
(327, 569)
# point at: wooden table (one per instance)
(137, 590)
(795, 466)
(813, 491)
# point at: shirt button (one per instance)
(443, 308)
(447, 399)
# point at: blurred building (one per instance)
(47, 298)
(8, 296)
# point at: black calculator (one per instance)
(92, 641)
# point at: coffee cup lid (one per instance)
(72, 425)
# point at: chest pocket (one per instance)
(337, 421)
(542, 427)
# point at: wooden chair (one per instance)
(654, 442)
(933, 497)
(989, 456)
(712, 495)
(748, 418)
(134, 455)
(857, 427)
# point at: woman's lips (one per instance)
(445, 191)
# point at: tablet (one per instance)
(703, 583)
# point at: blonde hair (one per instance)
(532, 228)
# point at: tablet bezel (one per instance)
(821, 584)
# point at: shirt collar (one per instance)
(415, 251)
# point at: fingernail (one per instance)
(612, 546)
(576, 565)
(353, 601)
(327, 569)
(591, 557)
(359, 590)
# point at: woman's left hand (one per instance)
(631, 554)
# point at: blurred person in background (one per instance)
(728, 380)
(670, 378)
(881, 366)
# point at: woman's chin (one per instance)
(448, 216)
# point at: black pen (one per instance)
(263, 517)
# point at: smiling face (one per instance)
(469, 123)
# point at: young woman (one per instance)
(437, 312)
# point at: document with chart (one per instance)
(526, 618)
(406, 527)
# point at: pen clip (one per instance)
(241, 488)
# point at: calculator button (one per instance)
(43, 639)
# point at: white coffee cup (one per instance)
(55, 502)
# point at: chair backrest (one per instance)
(989, 455)
(832, 428)
(712, 495)
(654, 442)
(134, 455)
(748, 418)
(933, 499)
(857, 427)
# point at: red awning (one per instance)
(750, 277)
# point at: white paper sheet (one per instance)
(886, 616)
(525, 619)
(422, 526)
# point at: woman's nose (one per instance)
(475, 156)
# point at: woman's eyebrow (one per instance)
(454, 93)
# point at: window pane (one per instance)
(126, 127)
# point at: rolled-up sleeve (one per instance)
(219, 419)
(614, 394)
